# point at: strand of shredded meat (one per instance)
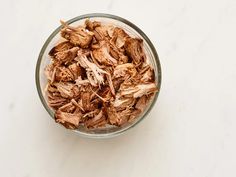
(98, 76)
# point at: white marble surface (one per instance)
(191, 132)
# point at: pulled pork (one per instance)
(98, 76)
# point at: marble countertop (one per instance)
(191, 132)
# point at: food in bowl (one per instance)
(99, 75)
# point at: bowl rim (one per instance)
(109, 16)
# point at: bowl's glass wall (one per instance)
(44, 60)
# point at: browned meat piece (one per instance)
(97, 121)
(119, 56)
(88, 103)
(119, 36)
(125, 69)
(121, 103)
(69, 108)
(55, 100)
(102, 123)
(91, 114)
(103, 56)
(85, 97)
(56, 73)
(142, 103)
(67, 90)
(139, 90)
(117, 53)
(104, 94)
(49, 72)
(91, 25)
(147, 74)
(80, 82)
(123, 59)
(134, 115)
(50, 88)
(110, 83)
(63, 74)
(61, 47)
(134, 49)
(112, 115)
(68, 120)
(118, 118)
(103, 32)
(78, 105)
(77, 36)
(117, 82)
(77, 70)
(66, 56)
(104, 91)
(124, 116)
(76, 91)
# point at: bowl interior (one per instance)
(133, 31)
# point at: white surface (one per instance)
(191, 132)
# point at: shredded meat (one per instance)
(125, 69)
(67, 90)
(55, 100)
(98, 120)
(103, 56)
(94, 74)
(118, 117)
(69, 120)
(142, 103)
(66, 56)
(77, 36)
(63, 74)
(138, 90)
(91, 25)
(119, 37)
(134, 50)
(61, 47)
(103, 32)
(98, 76)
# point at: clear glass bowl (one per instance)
(132, 30)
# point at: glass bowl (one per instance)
(132, 30)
